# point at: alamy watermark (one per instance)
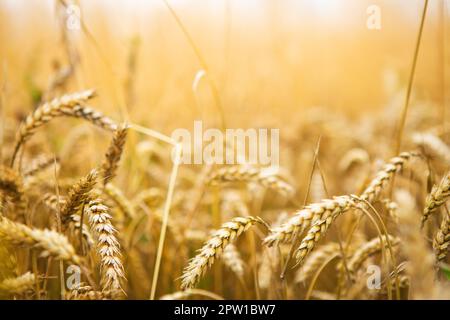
(230, 146)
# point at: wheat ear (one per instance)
(376, 186)
(307, 216)
(368, 249)
(47, 112)
(107, 245)
(51, 243)
(433, 145)
(315, 260)
(39, 164)
(18, 285)
(319, 229)
(213, 248)
(437, 197)
(114, 153)
(441, 241)
(78, 195)
(11, 184)
(88, 293)
(90, 115)
(266, 177)
(233, 260)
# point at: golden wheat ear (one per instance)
(47, 112)
(214, 247)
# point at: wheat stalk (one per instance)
(108, 247)
(113, 154)
(437, 197)
(46, 112)
(51, 243)
(213, 248)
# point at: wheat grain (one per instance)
(213, 248)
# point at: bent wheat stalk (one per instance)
(213, 248)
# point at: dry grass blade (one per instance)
(213, 248)
(51, 243)
(107, 245)
(114, 153)
(437, 197)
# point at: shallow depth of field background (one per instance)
(270, 59)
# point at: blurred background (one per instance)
(267, 59)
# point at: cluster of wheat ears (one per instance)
(392, 216)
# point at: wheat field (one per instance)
(93, 205)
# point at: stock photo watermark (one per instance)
(232, 146)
